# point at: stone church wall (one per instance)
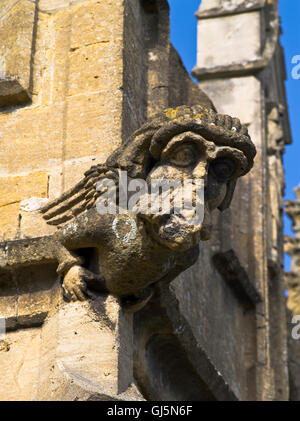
(78, 77)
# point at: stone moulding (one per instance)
(245, 67)
(235, 275)
(223, 10)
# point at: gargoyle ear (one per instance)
(229, 195)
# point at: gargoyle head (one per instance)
(192, 143)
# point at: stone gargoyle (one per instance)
(192, 143)
(186, 142)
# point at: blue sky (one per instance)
(184, 38)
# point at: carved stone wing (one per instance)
(79, 198)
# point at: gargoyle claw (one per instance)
(75, 283)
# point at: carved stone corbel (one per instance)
(138, 249)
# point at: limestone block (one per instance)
(6, 6)
(19, 365)
(12, 191)
(229, 40)
(61, 68)
(34, 294)
(74, 169)
(135, 84)
(55, 181)
(241, 98)
(16, 37)
(96, 22)
(95, 57)
(15, 189)
(9, 221)
(53, 5)
(37, 138)
(86, 353)
(94, 127)
(25, 295)
(91, 69)
(33, 225)
(83, 351)
(51, 57)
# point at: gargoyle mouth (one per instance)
(175, 231)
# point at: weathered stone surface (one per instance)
(8, 300)
(225, 7)
(94, 126)
(74, 168)
(34, 286)
(59, 361)
(12, 191)
(126, 267)
(225, 28)
(75, 120)
(20, 365)
(23, 224)
(75, 368)
(181, 88)
(16, 189)
(26, 296)
(93, 22)
(9, 221)
(16, 40)
(37, 139)
(241, 33)
(240, 97)
(53, 5)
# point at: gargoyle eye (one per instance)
(222, 168)
(184, 156)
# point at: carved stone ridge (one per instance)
(229, 7)
(236, 277)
